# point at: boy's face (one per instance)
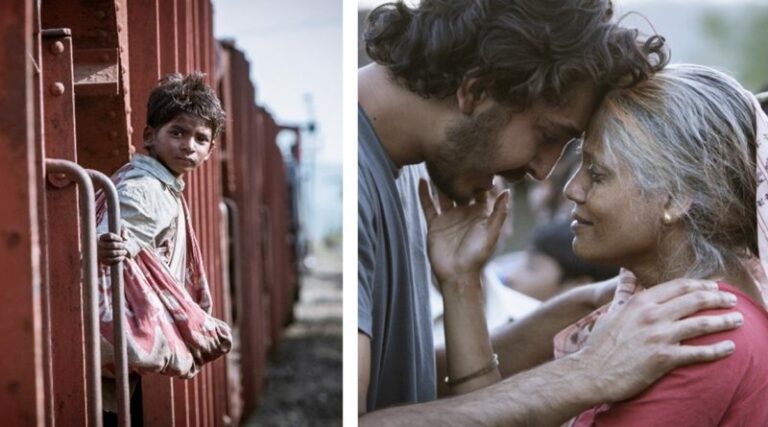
(181, 145)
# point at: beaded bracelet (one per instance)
(477, 374)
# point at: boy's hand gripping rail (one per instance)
(82, 179)
(118, 302)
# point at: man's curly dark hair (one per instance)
(517, 50)
(178, 94)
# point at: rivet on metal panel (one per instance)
(57, 89)
(127, 110)
(58, 180)
(119, 28)
(122, 48)
(130, 130)
(123, 70)
(115, 152)
(117, 6)
(57, 48)
(101, 14)
(105, 57)
(103, 34)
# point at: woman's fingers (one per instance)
(427, 203)
(498, 215)
(445, 202)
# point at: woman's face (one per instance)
(614, 223)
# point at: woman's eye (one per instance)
(594, 175)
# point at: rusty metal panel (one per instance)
(42, 220)
(182, 31)
(219, 377)
(99, 33)
(169, 41)
(21, 395)
(242, 163)
(226, 140)
(181, 402)
(193, 406)
(158, 401)
(67, 332)
(144, 54)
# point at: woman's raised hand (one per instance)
(461, 238)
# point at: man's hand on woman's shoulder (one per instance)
(632, 347)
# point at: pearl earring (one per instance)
(667, 218)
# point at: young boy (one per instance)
(169, 328)
(183, 118)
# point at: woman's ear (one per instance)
(676, 208)
(466, 97)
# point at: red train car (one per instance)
(74, 82)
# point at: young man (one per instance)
(169, 326)
(476, 89)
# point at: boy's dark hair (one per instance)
(177, 94)
(518, 50)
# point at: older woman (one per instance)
(668, 187)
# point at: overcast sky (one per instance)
(294, 48)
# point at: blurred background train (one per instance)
(74, 80)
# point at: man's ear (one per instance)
(677, 206)
(148, 136)
(466, 97)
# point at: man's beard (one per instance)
(468, 150)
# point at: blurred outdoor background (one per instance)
(294, 48)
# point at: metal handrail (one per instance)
(118, 303)
(90, 282)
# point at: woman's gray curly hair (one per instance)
(689, 132)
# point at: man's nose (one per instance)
(540, 170)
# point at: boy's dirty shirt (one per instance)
(152, 213)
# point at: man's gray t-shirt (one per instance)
(392, 306)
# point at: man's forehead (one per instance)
(579, 103)
(561, 125)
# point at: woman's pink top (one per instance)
(729, 392)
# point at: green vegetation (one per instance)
(742, 40)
